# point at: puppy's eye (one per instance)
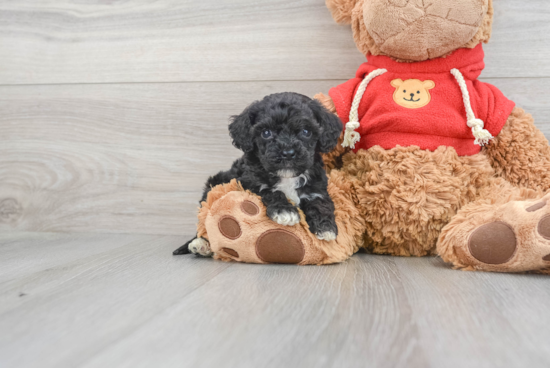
(266, 134)
(418, 92)
(404, 91)
(306, 133)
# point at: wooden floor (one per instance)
(99, 300)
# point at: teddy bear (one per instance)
(431, 161)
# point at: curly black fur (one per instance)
(282, 137)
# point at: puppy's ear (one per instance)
(331, 126)
(240, 130)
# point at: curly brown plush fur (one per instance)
(520, 153)
(407, 195)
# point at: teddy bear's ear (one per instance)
(396, 83)
(240, 129)
(428, 84)
(341, 10)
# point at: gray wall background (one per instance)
(113, 113)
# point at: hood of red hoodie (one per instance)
(468, 61)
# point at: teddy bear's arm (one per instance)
(520, 152)
(333, 159)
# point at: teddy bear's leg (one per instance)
(520, 153)
(238, 229)
(507, 230)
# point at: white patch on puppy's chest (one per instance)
(289, 187)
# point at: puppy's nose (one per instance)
(412, 94)
(289, 153)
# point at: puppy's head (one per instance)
(285, 131)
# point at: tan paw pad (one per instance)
(231, 252)
(280, 246)
(493, 243)
(536, 206)
(544, 227)
(229, 227)
(250, 208)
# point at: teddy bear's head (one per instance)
(415, 30)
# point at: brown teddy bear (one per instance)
(432, 161)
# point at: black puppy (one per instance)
(282, 137)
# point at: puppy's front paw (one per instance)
(286, 216)
(200, 246)
(326, 236)
(323, 228)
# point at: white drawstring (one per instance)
(351, 136)
(481, 135)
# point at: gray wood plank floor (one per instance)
(99, 300)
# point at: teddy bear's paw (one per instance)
(517, 240)
(240, 230)
(286, 217)
(246, 238)
(201, 247)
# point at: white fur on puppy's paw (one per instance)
(200, 246)
(286, 218)
(327, 236)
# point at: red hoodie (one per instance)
(433, 113)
